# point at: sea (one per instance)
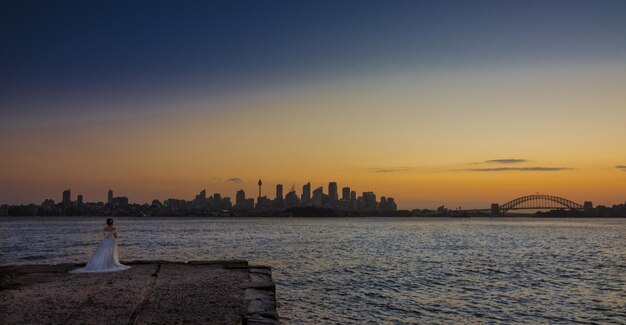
(377, 270)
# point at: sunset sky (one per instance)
(461, 103)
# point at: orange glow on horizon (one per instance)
(415, 138)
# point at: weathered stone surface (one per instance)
(260, 297)
(264, 270)
(203, 294)
(151, 292)
(222, 263)
(260, 277)
(267, 285)
(59, 297)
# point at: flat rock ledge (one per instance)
(151, 292)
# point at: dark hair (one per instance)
(109, 221)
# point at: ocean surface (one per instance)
(378, 270)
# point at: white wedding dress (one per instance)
(105, 258)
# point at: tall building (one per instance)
(391, 205)
(240, 199)
(279, 203)
(369, 201)
(67, 198)
(306, 194)
(383, 204)
(333, 195)
(279, 191)
(216, 201)
(200, 201)
(79, 200)
(318, 197)
(260, 183)
(226, 204)
(354, 202)
(110, 197)
(345, 193)
(291, 200)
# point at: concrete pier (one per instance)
(151, 292)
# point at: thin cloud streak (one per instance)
(621, 167)
(235, 180)
(521, 169)
(390, 169)
(506, 161)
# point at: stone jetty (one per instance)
(151, 292)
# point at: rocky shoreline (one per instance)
(151, 292)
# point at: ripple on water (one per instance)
(376, 270)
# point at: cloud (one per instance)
(235, 180)
(506, 161)
(390, 169)
(522, 169)
(621, 167)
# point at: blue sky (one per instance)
(130, 48)
(156, 98)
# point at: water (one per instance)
(378, 270)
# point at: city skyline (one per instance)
(315, 198)
(433, 103)
(305, 197)
(316, 203)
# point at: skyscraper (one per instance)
(279, 191)
(216, 201)
(306, 193)
(67, 198)
(383, 204)
(318, 196)
(369, 201)
(345, 193)
(79, 200)
(333, 196)
(200, 201)
(279, 201)
(291, 200)
(260, 183)
(391, 205)
(110, 197)
(240, 199)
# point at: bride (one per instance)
(105, 258)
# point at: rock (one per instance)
(159, 292)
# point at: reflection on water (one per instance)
(378, 270)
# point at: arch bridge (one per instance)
(537, 202)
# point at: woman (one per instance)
(105, 258)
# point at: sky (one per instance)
(430, 102)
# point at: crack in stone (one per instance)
(145, 297)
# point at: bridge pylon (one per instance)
(495, 209)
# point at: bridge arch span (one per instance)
(539, 201)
